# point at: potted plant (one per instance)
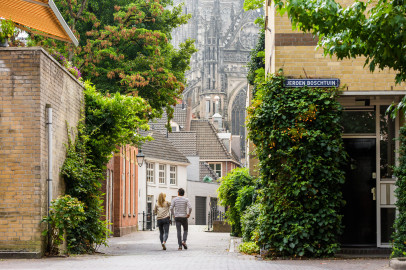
(7, 30)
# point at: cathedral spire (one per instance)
(216, 9)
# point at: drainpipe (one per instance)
(49, 180)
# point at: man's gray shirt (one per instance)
(181, 207)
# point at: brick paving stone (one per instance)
(207, 250)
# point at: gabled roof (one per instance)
(209, 146)
(40, 16)
(185, 142)
(179, 117)
(161, 148)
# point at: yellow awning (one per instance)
(41, 15)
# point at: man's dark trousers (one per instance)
(181, 221)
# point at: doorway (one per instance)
(200, 210)
(359, 193)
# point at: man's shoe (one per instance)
(163, 247)
(180, 248)
(184, 245)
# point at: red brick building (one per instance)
(121, 189)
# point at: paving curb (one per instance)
(19, 255)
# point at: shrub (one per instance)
(399, 236)
(249, 248)
(298, 143)
(228, 195)
(66, 213)
(249, 221)
(245, 198)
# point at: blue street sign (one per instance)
(311, 83)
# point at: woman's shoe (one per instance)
(184, 245)
(180, 248)
(163, 246)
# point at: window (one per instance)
(216, 167)
(172, 175)
(150, 172)
(162, 175)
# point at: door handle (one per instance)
(373, 191)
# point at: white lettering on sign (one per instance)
(312, 82)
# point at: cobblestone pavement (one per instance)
(207, 250)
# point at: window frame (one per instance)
(150, 172)
(215, 169)
(163, 176)
(173, 173)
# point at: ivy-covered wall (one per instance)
(298, 142)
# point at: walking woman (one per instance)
(163, 217)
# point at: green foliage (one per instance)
(249, 222)
(8, 30)
(257, 60)
(245, 197)
(250, 248)
(66, 213)
(82, 182)
(112, 121)
(125, 47)
(374, 29)
(298, 143)
(228, 195)
(399, 236)
(253, 4)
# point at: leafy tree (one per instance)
(298, 142)
(374, 29)
(127, 48)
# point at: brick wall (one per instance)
(296, 53)
(30, 79)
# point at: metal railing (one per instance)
(148, 220)
(214, 215)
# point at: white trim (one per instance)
(37, 3)
(378, 174)
(63, 22)
(156, 160)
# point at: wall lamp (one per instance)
(140, 158)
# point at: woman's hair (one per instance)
(161, 199)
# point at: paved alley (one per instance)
(207, 250)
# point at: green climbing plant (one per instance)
(298, 143)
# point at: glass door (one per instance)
(386, 209)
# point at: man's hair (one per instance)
(181, 192)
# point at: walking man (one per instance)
(181, 209)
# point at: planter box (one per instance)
(221, 226)
(398, 263)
